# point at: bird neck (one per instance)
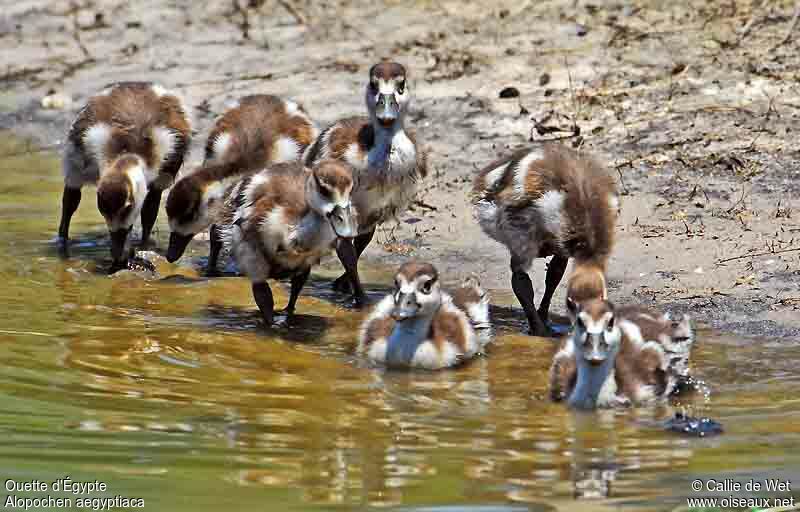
(313, 230)
(406, 337)
(591, 380)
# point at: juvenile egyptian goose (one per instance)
(675, 336)
(386, 159)
(420, 325)
(548, 201)
(256, 131)
(130, 139)
(286, 219)
(616, 357)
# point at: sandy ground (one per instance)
(692, 105)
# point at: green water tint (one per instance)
(171, 391)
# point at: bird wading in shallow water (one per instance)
(130, 139)
(286, 219)
(548, 201)
(254, 132)
(386, 159)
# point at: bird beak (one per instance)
(405, 307)
(177, 245)
(596, 359)
(119, 257)
(344, 221)
(388, 110)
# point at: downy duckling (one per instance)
(130, 139)
(387, 162)
(286, 219)
(420, 325)
(675, 336)
(258, 130)
(587, 282)
(615, 357)
(547, 201)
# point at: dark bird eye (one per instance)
(401, 86)
(426, 288)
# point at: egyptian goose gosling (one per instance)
(286, 219)
(547, 201)
(616, 357)
(130, 139)
(254, 132)
(387, 161)
(420, 325)
(676, 337)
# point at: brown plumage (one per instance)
(547, 201)
(254, 126)
(388, 69)
(285, 219)
(587, 282)
(563, 372)
(259, 130)
(637, 366)
(132, 110)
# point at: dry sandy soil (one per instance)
(692, 104)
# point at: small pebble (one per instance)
(56, 101)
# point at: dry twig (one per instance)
(753, 255)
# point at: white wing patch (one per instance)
(158, 90)
(613, 203)
(523, 168)
(551, 207)
(220, 146)
(291, 107)
(286, 149)
(164, 140)
(95, 139)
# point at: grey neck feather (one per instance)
(590, 381)
(383, 140)
(313, 230)
(406, 338)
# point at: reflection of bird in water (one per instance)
(594, 482)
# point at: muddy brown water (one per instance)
(168, 389)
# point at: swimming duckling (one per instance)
(422, 326)
(130, 139)
(387, 161)
(258, 130)
(614, 357)
(287, 217)
(547, 201)
(675, 336)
